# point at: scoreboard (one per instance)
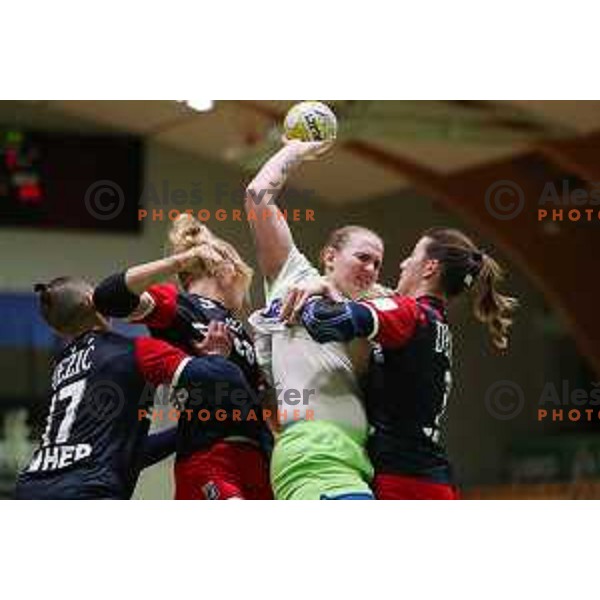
(20, 183)
(60, 180)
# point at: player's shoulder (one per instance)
(433, 308)
(94, 336)
(104, 348)
(164, 289)
(108, 335)
(395, 319)
(294, 270)
(393, 302)
(201, 305)
(112, 339)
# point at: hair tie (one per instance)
(475, 268)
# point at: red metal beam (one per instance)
(580, 155)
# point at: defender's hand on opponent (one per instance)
(299, 295)
(216, 342)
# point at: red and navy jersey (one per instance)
(408, 385)
(102, 384)
(181, 318)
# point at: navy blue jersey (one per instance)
(180, 319)
(93, 445)
(408, 381)
(408, 385)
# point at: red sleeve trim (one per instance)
(157, 361)
(162, 315)
(396, 319)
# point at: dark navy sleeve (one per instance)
(113, 298)
(159, 362)
(328, 321)
(158, 446)
(211, 369)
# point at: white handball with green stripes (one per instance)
(310, 122)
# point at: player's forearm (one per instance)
(113, 298)
(214, 369)
(158, 446)
(328, 321)
(141, 277)
(272, 236)
(119, 294)
(265, 187)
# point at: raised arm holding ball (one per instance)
(320, 452)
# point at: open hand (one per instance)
(299, 295)
(308, 150)
(217, 341)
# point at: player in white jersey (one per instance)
(319, 452)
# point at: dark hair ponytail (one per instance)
(466, 268)
(492, 307)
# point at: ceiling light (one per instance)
(199, 105)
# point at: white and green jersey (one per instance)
(308, 376)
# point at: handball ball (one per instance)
(310, 122)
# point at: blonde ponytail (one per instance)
(213, 252)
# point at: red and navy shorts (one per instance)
(225, 471)
(404, 487)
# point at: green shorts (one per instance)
(319, 460)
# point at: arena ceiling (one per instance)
(381, 142)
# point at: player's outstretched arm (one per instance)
(389, 321)
(328, 321)
(298, 295)
(272, 236)
(122, 294)
(213, 369)
(140, 277)
(161, 363)
(158, 446)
